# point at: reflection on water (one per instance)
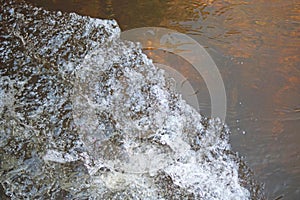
(256, 47)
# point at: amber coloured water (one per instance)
(255, 45)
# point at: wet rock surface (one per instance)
(85, 115)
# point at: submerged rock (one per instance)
(85, 115)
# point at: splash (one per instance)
(86, 115)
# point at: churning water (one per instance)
(86, 115)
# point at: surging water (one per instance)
(85, 115)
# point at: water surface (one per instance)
(256, 47)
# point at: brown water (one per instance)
(255, 45)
